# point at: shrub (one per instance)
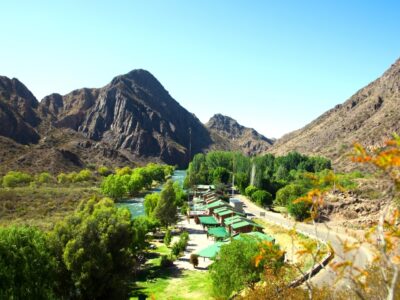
(123, 171)
(103, 171)
(194, 260)
(289, 193)
(83, 175)
(176, 249)
(262, 198)
(167, 237)
(300, 210)
(62, 178)
(165, 261)
(250, 190)
(13, 179)
(44, 177)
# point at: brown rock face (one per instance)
(247, 140)
(18, 112)
(370, 116)
(135, 113)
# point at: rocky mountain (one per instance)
(133, 119)
(370, 116)
(244, 139)
(18, 115)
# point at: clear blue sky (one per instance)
(272, 65)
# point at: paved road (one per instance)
(360, 257)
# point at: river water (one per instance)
(135, 205)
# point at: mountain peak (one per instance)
(247, 139)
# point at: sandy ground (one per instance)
(197, 241)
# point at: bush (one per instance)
(44, 177)
(289, 193)
(62, 178)
(83, 175)
(176, 249)
(123, 171)
(167, 237)
(250, 190)
(300, 211)
(103, 171)
(194, 260)
(165, 262)
(13, 179)
(262, 198)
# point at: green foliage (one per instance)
(104, 171)
(167, 237)
(220, 175)
(176, 249)
(150, 203)
(289, 193)
(83, 175)
(262, 198)
(250, 190)
(299, 210)
(123, 171)
(180, 194)
(165, 262)
(113, 186)
(140, 227)
(44, 177)
(166, 209)
(14, 179)
(94, 252)
(26, 264)
(235, 267)
(184, 208)
(62, 178)
(134, 184)
(242, 181)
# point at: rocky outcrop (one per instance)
(135, 113)
(370, 116)
(18, 115)
(247, 140)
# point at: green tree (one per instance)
(235, 267)
(250, 190)
(289, 193)
(299, 210)
(134, 184)
(94, 252)
(113, 186)
(166, 209)
(26, 264)
(262, 198)
(220, 175)
(150, 203)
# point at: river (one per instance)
(135, 205)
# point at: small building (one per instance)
(218, 233)
(217, 204)
(236, 204)
(208, 221)
(244, 226)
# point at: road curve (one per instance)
(360, 257)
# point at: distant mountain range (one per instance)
(133, 119)
(370, 116)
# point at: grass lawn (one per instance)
(188, 285)
(171, 283)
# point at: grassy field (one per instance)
(41, 206)
(171, 283)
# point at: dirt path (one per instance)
(197, 241)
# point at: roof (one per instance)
(198, 200)
(211, 251)
(226, 212)
(218, 232)
(244, 223)
(216, 204)
(208, 220)
(234, 219)
(217, 210)
(259, 235)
